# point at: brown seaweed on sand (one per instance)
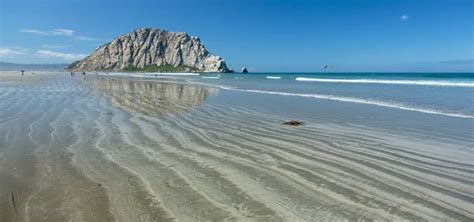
(294, 123)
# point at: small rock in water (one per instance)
(293, 123)
(244, 70)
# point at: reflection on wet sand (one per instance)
(149, 98)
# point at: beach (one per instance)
(188, 148)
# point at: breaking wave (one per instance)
(395, 82)
(273, 77)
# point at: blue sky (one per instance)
(358, 35)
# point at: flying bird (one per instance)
(328, 66)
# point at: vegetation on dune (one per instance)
(161, 68)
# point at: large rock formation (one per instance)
(145, 47)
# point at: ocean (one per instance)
(449, 94)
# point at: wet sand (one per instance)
(119, 149)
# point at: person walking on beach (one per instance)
(22, 72)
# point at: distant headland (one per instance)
(8, 66)
(152, 50)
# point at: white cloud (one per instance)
(55, 46)
(61, 55)
(83, 38)
(404, 17)
(34, 31)
(12, 51)
(57, 32)
(66, 32)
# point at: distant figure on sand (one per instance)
(22, 72)
(72, 74)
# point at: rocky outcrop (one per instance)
(144, 47)
(244, 70)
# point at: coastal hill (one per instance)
(152, 50)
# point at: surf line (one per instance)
(390, 82)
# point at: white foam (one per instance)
(210, 77)
(273, 77)
(387, 81)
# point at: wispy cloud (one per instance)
(46, 46)
(66, 32)
(83, 38)
(34, 31)
(57, 32)
(12, 51)
(404, 17)
(61, 55)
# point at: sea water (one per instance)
(450, 94)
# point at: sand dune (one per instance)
(98, 149)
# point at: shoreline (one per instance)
(355, 100)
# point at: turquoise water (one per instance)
(448, 94)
